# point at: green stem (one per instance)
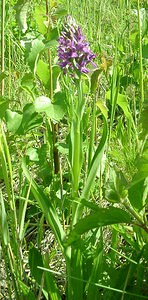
(77, 151)
(2, 43)
(92, 134)
(135, 215)
(140, 57)
(114, 93)
(76, 158)
(54, 126)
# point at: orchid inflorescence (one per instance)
(73, 51)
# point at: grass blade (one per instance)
(47, 208)
(96, 161)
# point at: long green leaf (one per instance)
(103, 217)
(76, 276)
(4, 224)
(96, 161)
(47, 208)
(35, 260)
(51, 284)
(96, 273)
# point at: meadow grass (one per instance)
(73, 153)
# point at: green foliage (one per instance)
(137, 194)
(56, 110)
(102, 217)
(3, 75)
(94, 79)
(116, 188)
(21, 8)
(26, 292)
(33, 54)
(4, 223)
(20, 123)
(13, 120)
(35, 261)
(43, 72)
(73, 165)
(4, 104)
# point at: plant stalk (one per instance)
(77, 151)
(135, 215)
(2, 43)
(140, 58)
(54, 126)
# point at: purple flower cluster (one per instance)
(73, 51)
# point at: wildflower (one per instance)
(73, 51)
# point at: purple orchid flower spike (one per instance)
(73, 51)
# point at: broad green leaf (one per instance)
(21, 123)
(28, 82)
(91, 205)
(57, 110)
(52, 34)
(94, 79)
(21, 8)
(116, 187)
(37, 47)
(31, 119)
(137, 194)
(43, 73)
(35, 261)
(138, 188)
(40, 17)
(103, 108)
(60, 12)
(133, 37)
(103, 217)
(144, 21)
(42, 103)
(142, 166)
(54, 110)
(123, 103)
(13, 120)
(4, 105)
(51, 44)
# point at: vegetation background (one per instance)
(73, 153)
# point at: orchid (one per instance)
(73, 51)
